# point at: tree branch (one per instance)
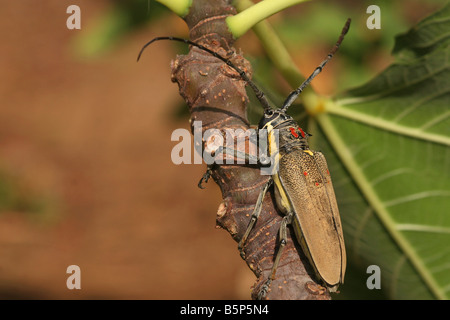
(216, 96)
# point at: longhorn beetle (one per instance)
(303, 188)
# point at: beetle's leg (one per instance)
(254, 217)
(205, 177)
(283, 239)
(251, 159)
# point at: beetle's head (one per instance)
(273, 118)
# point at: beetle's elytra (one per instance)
(313, 202)
(302, 184)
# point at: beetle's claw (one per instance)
(205, 178)
(264, 289)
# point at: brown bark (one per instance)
(216, 96)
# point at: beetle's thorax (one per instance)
(290, 135)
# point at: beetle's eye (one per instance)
(268, 112)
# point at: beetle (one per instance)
(302, 184)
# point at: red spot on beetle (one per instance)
(328, 172)
(302, 132)
(293, 132)
(305, 173)
(317, 183)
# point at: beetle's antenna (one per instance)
(259, 94)
(294, 94)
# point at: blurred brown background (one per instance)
(86, 176)
(86, 173)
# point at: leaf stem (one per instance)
(245, 20)
(179, 7)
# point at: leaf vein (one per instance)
(436, 120)
(417, 196)
(420, 103)
(422, 228)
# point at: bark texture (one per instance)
(216, 96)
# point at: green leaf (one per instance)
(426, 36)
(387, 145)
